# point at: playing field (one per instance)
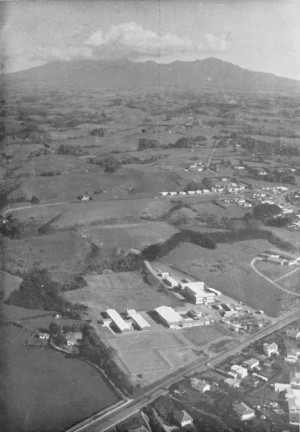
(152, 354)
(120, 291)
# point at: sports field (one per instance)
(120, 291)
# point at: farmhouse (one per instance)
(169, 316)
(243, 411)
(195, 291)
(118, 321)
(270, 349)
(182, 418)
(73, 339)
(43, 335)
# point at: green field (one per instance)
(38, 382)
(227, 269)
(120, 291)
(203, 334)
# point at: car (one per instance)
(185, 280)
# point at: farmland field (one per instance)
(37, 382)
(119, 291)
(8, 283)
(291, 282)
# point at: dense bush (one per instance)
(109, 163)
(65, 149)
(145, 143)
(98, 132)
(39, 291)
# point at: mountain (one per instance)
(123, 74)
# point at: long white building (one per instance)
(119, 322)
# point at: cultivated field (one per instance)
(119, 291)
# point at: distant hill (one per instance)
(210, 73)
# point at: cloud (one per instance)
(132, 40)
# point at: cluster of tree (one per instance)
(145, 143)
(156, 251)
(206, 183)
(99, 132)
(75, 283)
(50, 173)
(128, 160)
(94, 350)
(265, 212)
(58, 332)
(66, 149)
(109, 163)
(273, 176)
(39, 291)
(117, 263)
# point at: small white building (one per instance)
(139, 321)
(200, 385)
(182, 418)
(163, 193)
(233, 382)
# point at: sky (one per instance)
(261, 35)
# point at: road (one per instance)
(123, 412)
(270, 280)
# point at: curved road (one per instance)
(270, 280)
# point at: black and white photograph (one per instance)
(150, 216)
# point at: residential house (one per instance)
(292, 355)
(233, 382)
(293, 333)
(243, 411)
(182, 418)
(73, 339)
(200, 385)
(239, 370)
(270, 349)
(251, 363)
(295, 378)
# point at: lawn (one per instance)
(291, 282)
(120, 291)
(38, 382)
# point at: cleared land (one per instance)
(119, 291)
(227, 268)
(37, 382)
(8, 283)
(291, 282)
(127, 236)
(204, 334)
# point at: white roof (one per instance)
(197, 288)
(117, 319)
(140, 320)
(168, 314)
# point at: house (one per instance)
(233, 382)
(270, 349)
(240, 371)
(295, 378)
(243, 411)
(164, 193)
(200, 385)
(182, 418)
(73, 339)
(43, 335)
(169, 316)
(280, 387)
(292, 355)
(293, 333)
(251, 363)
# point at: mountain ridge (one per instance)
(123, 74)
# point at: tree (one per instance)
(110, 164)
(266, 211)
(35, 199)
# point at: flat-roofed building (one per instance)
(251, 363)
(140, 322)
(119, 322)
(169, 316)
(196, 292)
(239, 370)
(233, 382)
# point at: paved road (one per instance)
(270, 280)
(111, 419)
